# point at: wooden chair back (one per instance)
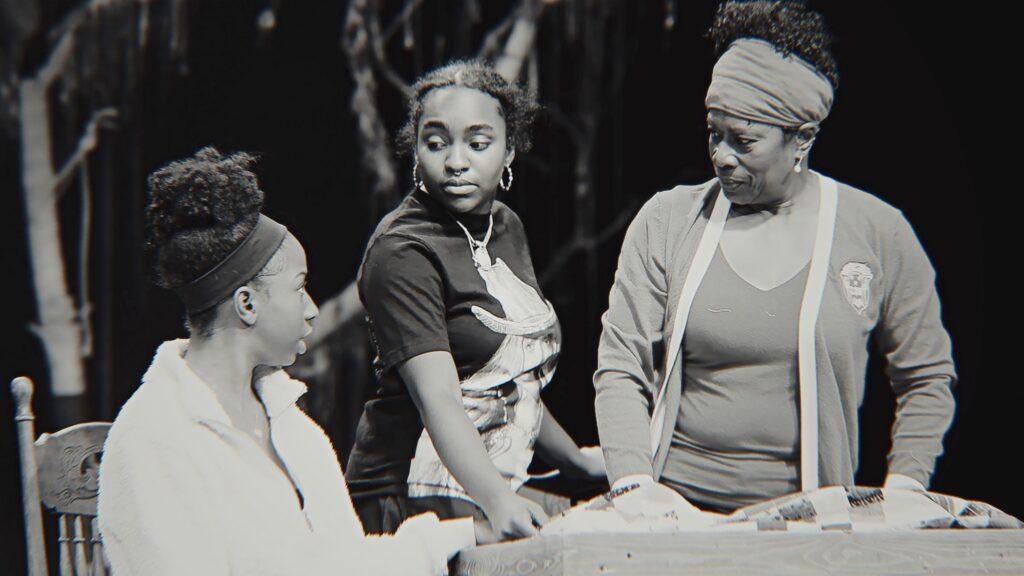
(61, 472)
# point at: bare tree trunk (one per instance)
(58, 328)
(358, 42)
(520, 40)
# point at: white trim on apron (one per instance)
(809, 307)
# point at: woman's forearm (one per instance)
(627, 366)
(919, 355)
(924, 411)
(462, 451)
(433, 384)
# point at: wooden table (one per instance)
(944, 552)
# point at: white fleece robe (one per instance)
(182, 491)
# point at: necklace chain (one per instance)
(478, 248)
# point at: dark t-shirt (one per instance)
(423, 292)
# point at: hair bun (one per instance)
(199, 209)
(208, 190)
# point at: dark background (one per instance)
(903, 127)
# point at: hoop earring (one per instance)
(417, 182)
(505, 186)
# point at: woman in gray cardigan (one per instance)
(732, 361)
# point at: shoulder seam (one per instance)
(403, 236)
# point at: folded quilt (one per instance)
(855, 508)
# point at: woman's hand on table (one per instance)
(588, 464)
(512, 516)
(654, 500)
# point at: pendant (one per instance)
(481, 257)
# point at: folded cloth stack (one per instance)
(656, 509)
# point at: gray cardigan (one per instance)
(902, 311)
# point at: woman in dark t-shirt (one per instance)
(465, 339)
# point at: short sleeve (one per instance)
(403, 292)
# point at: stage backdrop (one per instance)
(624, 84)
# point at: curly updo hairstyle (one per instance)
(519, 106)
(200, 209)
(787, 24)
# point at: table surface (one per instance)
(946, 552)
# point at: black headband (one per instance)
(242, 264)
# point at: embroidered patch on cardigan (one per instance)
(857, 285)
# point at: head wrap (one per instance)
(753, 80)
(241, 265)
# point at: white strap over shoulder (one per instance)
(807, 362)
(694, 276)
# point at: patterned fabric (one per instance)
(854, 508)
